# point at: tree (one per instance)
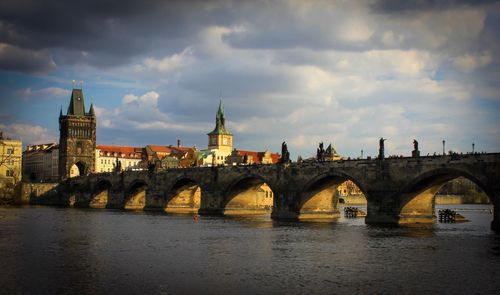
(7, 153)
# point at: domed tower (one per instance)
(77, 138)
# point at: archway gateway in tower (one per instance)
(184, 197)
(77, 169)
(249, 196)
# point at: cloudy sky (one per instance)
(346, 72)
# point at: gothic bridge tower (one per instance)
(77, 138)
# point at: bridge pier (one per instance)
(282, 208)
(115, 199)
(211, 203)
(381, 208)
(82, 199)
(495, 224)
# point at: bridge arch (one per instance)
(184, 196)
(100, 194)
(248, 194)
(319, 197)
(135, 195)
(417, 197)
(75, 193)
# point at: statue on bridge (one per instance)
(415, 153)
(118, 166)
(285, 155)
(320, 153)
(381, 148)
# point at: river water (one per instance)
(47, 250)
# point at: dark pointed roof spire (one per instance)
(77, 103)
(220, 121)
(91, 111)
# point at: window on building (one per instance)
(10, 151)
(79, 147)
(9, 173)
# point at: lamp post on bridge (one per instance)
(361, 154)
(443, 147)
(473, 147)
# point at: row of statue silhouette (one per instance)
(322, 154)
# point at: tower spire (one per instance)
(220, 120)
(91, 111)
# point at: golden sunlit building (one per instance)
(239, 157)
(10, 160)
(106, 157)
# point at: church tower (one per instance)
(77, 138)
(220, 139)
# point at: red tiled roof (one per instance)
(159, 149)
(257, 156)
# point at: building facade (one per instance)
(77, 138)
(168, 157)
(10, 161)
(107, 157)
(41, 162)
(240, 157)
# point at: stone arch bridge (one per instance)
(398, 190)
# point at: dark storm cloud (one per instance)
(396, 6)
(105, 32)
(13, 58)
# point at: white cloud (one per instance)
(139, 113)
(29, 134)
(49, 92)
(469, 62)
(149, 99)
(356, 30)
(169, 63)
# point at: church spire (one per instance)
(220, 120)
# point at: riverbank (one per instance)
(439, 200)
